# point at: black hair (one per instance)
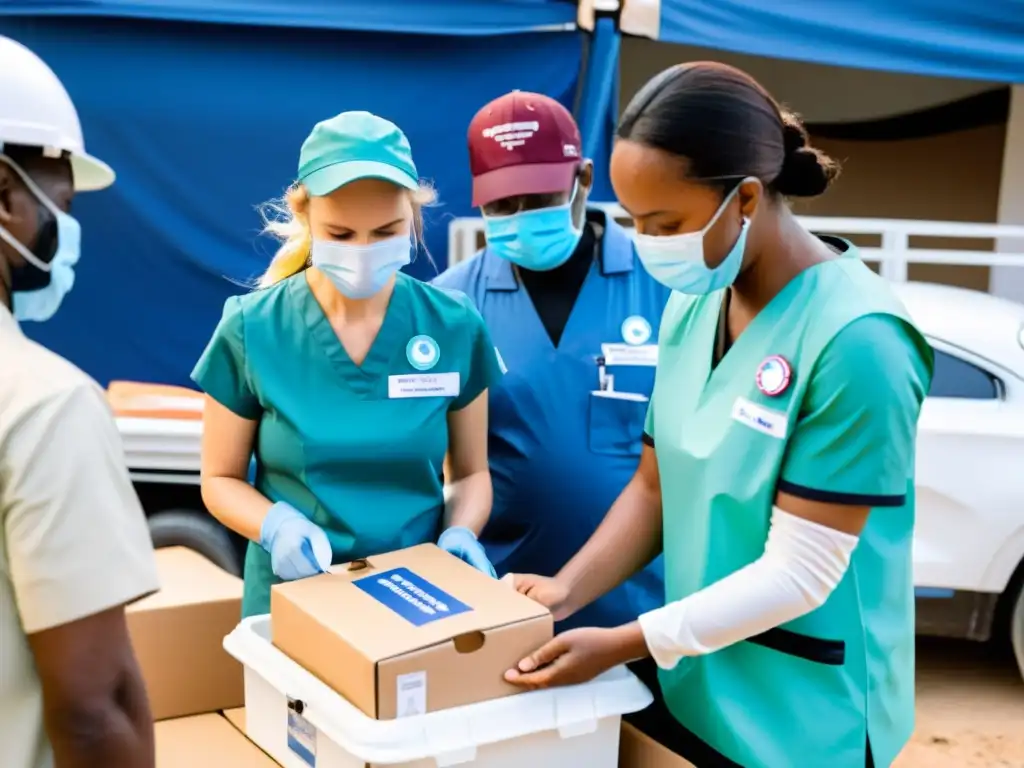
(21, 153)
(727, 126)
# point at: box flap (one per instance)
(407, 600)
(188, 578)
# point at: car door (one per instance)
(970, 476)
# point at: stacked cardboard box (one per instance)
(636, 750)
(205, 740)
(371, 630)
(178, 636)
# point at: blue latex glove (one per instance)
(298, 547)
(463, 543)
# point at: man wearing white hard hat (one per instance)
(74, 547)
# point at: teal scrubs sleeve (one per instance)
(221, 371)
(648, 436)
(484, 367)
(854, 440)
(674, 308)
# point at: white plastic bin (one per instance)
(302, 723)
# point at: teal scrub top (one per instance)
(346, 444)
(825, 688)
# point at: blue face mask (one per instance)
(361, 271)
(677, 261)
(538, 240)
(40, 304)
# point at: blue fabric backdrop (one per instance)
(598, 110)
(204, 121)
(427, 17)
(982, 40)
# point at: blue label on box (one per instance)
(302, 738)
(410, 596)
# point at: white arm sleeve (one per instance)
(803, 562)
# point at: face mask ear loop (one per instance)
(572, 202)
(25, 253)
(45, 201)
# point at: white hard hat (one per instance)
(36, 111)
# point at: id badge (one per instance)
(630, 354)
(423, 385)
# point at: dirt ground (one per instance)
(970, 709)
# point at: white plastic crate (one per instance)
(302, 723)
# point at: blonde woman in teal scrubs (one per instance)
(779, 470)
(349, 380)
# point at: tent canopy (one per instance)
(427, 17)
(981, 40)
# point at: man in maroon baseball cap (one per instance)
(529, 179)
(574, 317)
(523, 144)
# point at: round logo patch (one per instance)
(773, 375)
(636, 330)
(422, 352)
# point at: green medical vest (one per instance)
(812, 693)
(345, 444)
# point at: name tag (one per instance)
(762, 419)
(630, 354)
(424, 385)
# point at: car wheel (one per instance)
(1017, 630)
(196, 531)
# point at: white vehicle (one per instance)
(161, 428)
(969, 540)
(969, 536)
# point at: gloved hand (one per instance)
(463, 543)
(298, 547)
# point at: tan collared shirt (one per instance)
(73, 537)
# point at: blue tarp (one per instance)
(981, 40)
(598, 111)
(427, 17)
(202, 122)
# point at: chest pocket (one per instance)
(616, 423)
(617, 416)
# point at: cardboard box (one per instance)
(637, 750)
(206, 740)
(408, 632)
(178, 635)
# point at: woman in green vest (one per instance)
(778, 474)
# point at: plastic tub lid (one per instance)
(450, 736)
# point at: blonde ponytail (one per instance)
(287, 219)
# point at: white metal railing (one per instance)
(894, 254)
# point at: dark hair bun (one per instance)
(806, 171)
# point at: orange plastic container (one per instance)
(155, 401)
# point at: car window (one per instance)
(958, 378)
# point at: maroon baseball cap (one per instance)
(522, 144)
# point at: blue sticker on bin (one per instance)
(302, 738)
(410, 596)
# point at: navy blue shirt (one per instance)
(561, 448)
